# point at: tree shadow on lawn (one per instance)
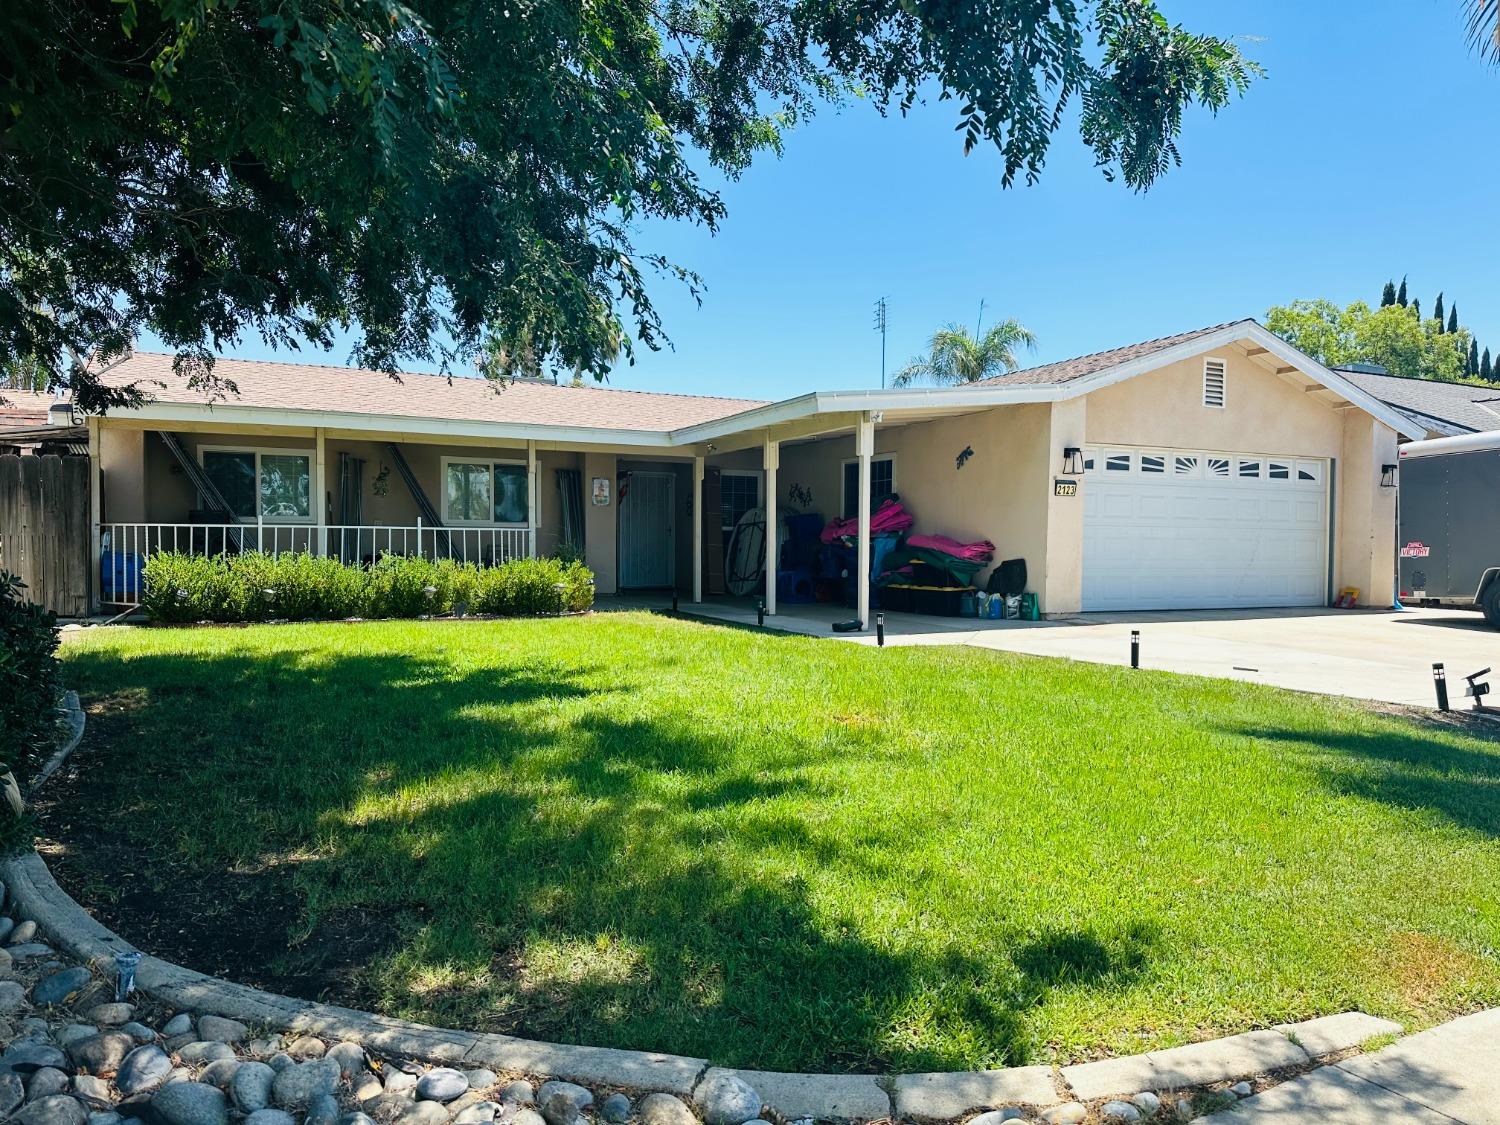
(617, 881)
(1416, 769)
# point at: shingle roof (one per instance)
(1464, 406)
(21, 410)
(1066, 370)
(313, 387)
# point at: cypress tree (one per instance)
(1416, 307)
(1437, 312)
(1401, 293)
(1486, 369)
(1388, 294)
(1472, 367)
(1453, 318)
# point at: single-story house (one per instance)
(1215, 468)
(1438, 408)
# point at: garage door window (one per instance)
(1309, 471)
(1218, 466)
(1278, 470)
(1117, 463)
(1153, 463)
(1249, 469)
(1184, 466)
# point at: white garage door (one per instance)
(1182, 529)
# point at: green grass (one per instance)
(789, 853)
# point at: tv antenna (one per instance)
(880, 327)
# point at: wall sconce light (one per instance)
(1072, 460)
(1388, 476)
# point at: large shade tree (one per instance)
(437, 175)
(956, 356)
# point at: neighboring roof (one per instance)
(21, 410)
(1066, 370)
(1458, 407)
(311, 387)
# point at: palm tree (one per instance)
(955, 357)
(1484, 27)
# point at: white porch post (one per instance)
(531, 513)
(771, 461)
(321, 477)
(96, 507)
(864, 447)
(698, 528)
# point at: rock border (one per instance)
(36, 895)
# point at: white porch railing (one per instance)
(125, 547)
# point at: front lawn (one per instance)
(775, 852)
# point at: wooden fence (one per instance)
(44, 529)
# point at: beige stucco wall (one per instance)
(1001, 493)
(600, 541)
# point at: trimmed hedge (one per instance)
(30, 684)
(182, 589)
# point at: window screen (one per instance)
(510, 494)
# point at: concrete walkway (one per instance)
(1448, 1074)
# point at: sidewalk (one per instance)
(1448, 1074)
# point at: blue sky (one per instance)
(1368, 150)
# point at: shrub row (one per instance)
(256, 587)
(30, 685)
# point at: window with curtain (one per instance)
(271, 485)
(485, 492)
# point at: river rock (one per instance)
(1147, 1102)
(180, 1024)
(139, 1032)
(101, 1053)
(299, 1084)
(7, 925)
(251, 1086)
(28, 951)
(12, 996)
(525, 1116)
(270, 1117)
(1069, 1113)
(615, 1109)
(112, 1014)
(201, 1051)
(1121, 1112)
(280, 1061)
(190, 1103)
(998, 1116)
(307, 1047)
(12, 1092)
(664, 1109)
(727, 1099)
(69, 1034)
(61, 986)
(519, 1092)
(481, 1079)
(365, 1085)
(217, 1029)
(59, 1109)
(104, 1117)
(23, 932)
(579, 1097)
(322, 1110)
(46, 1082)
(349, 1056)
(143, 1069)
(443, 1084)
(220, 1072)
(424, 1113)
(92, 1089)
(386, 1107)
(398, 1081)
(25, 1057)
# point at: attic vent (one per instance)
(1213, 383)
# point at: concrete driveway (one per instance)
(1367, 654)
